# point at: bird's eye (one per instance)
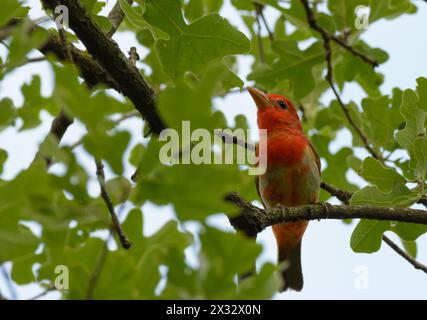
(283, 105)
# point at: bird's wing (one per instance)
(315, 154)
(257, 190)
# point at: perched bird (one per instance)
(292, 177)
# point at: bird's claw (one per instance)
(326, 206)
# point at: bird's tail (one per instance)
(288, 237)
(292, 274)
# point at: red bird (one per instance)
(292, 177)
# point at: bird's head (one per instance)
(275, 111)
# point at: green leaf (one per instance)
(11, 9)
(119, 189)
(3, 158)
(172, 185)
(16, 240)
(384, 178)
(351, 68)
(94, 7)
(292, 64)
(343, 12)
(418, 154)
(23, 42)
(422, 93)
(138, 21)
(410, 248)
(33, 104)
(214, 277)
(7, 113)
(381, 121)
(408, 231)
(260, 286)
(22, 272)
(191, 46)
(190, 98)
(195, 9)
(74, 99)
(390, 9)
(237, 255)
(366, 237)
(400, 196)
(415, 118)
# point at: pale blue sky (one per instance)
(329, 265)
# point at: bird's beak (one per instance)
(260, 98)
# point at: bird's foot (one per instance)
(326, 206)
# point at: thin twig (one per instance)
(133, 55)
(65, 45)
(342, 195)
(303, 112)
(345, 45)
(407, 257)
(261, 14)
(326, 36)
(228, 138)
(27, 61)
(258, 10)
(315, 26)
(104, 194)
(41, 294)
(100, 263)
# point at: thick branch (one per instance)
(116, 17)
(253, 219)
(108, 54)
(90, 70)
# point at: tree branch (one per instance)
(91, 72)
(407, 257)
(43, 293)
(226, 137)
(104, 194)
(261, 14)
(253, 219)
(342, 195)
(116, 17)
(326, 36)
(315, 26)
(108, 54)
(258, 10)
